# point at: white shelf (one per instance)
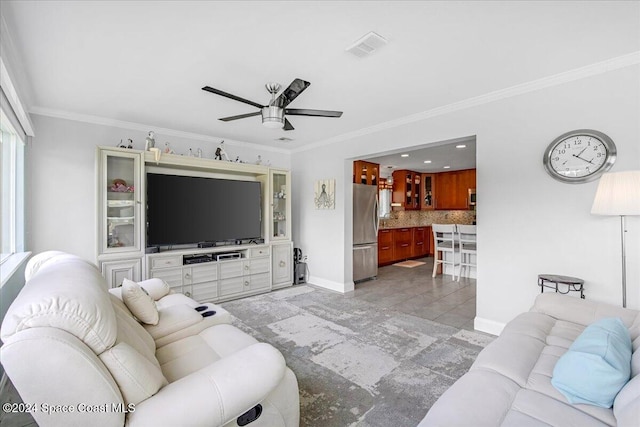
(120, 203)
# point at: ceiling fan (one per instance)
(273, 114)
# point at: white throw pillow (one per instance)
(156, 288)
(139, 302)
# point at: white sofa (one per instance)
(509, 384)
(78, 357)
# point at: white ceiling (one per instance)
(145, 62)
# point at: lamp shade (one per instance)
(618, 194)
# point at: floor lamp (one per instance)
(619, 194)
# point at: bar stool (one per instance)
(468, 246)
(444, 240)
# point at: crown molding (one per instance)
(122, 124)
(602, 67)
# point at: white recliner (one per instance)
(78, 354)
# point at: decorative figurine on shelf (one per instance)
(167, 148)
(199, 152)
(149, 142)
(190, 153)
(221, 154)
(259, 161)
(128, 145)
(120, 186)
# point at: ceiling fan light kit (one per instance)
(273, 114)
(273, 117)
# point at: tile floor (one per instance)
(414, 291)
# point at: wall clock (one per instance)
(579, 156)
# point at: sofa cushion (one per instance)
(626, 407)
(183, 357)
(139, 302)
(597, 365)
(71, 296)
(137, 378)
(130, 331)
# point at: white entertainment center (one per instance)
(217, 273)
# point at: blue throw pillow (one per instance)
(597, 365)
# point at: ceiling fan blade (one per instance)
(287, 125)
(315, 113)
(241, 116)
(228, 95)
(296, 87)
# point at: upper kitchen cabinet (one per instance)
(366, 173)
(428, 193)
(452, 189)
(407, 189)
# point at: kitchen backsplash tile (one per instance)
(418, 218)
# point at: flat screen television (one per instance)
(188, 210)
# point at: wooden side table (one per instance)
(553, 280)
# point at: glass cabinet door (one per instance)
(121, 188)
(281, 205)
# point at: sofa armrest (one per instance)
(216, 394)
(172, 319)
(580, 311)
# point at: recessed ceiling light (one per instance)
(461, 146)
(446, 167)
(427, 161)
(404, 155)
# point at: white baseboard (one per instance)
(330, 284)
(488, 326)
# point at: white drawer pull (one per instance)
(282, 263)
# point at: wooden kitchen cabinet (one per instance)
(420, 242)
(366, 173)
(428, 192)
(407, 189)
(452, 189)
(385, 247)
(402, 243)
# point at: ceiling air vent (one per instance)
(367, 44)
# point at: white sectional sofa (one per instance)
(78, 357)
(509, 384)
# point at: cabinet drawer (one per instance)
(260, 265)
(165, 262)
(173, 276)
(259, 281)
(204, 273)
(258, 252)
(203, 292)
(231, 268)
(234, 285)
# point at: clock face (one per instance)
(579, 156)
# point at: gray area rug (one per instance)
(358, 364)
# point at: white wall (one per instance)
(528, 223)
(62, 178)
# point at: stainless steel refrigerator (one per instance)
(365, 231)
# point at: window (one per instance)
(12, 185)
